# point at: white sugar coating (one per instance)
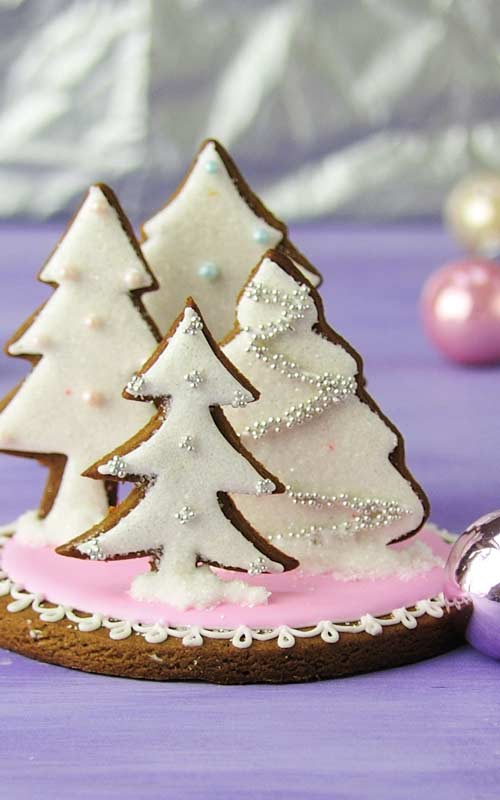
(207, 223)
(335, 463)
(71, 402)
(197, 587)
(185, 356)
(179, 515)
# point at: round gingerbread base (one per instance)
(218, 661)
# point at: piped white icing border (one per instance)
(241, 637)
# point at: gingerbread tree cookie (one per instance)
(185, 463)
(206, 240)
(349, 493)
(84, 343)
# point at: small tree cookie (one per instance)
(185, 463)
(349, 493)
(84, 343)
(206, 240)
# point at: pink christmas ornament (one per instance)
(460, 307)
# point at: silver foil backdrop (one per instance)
(358, 108)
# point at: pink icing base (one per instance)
(297, 600)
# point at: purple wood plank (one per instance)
(431, 727)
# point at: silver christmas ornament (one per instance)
(473, 571)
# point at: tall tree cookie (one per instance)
(207, 238)
(83, 344)
(348, 493)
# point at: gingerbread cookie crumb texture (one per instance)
(83, 344)
(348, 491)
(185, 463)
(206, 240)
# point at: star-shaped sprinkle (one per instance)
(257, 567)
(186, 514)
(195, 379)
(239, 400)
(115, 466)
(195, 325)
(135, 385)
(92, 550)
(264, 486)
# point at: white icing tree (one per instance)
(185, 462)
(84, 343)
(349, 493)
(206, 240)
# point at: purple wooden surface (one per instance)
(397, 734)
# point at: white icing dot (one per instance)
(99, 206)
(133, 278)
(93, 321)
(68, 272)
(41, 340)
(93, 398)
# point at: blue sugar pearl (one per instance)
(211, 167)
(209, 271)
(261, 236)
